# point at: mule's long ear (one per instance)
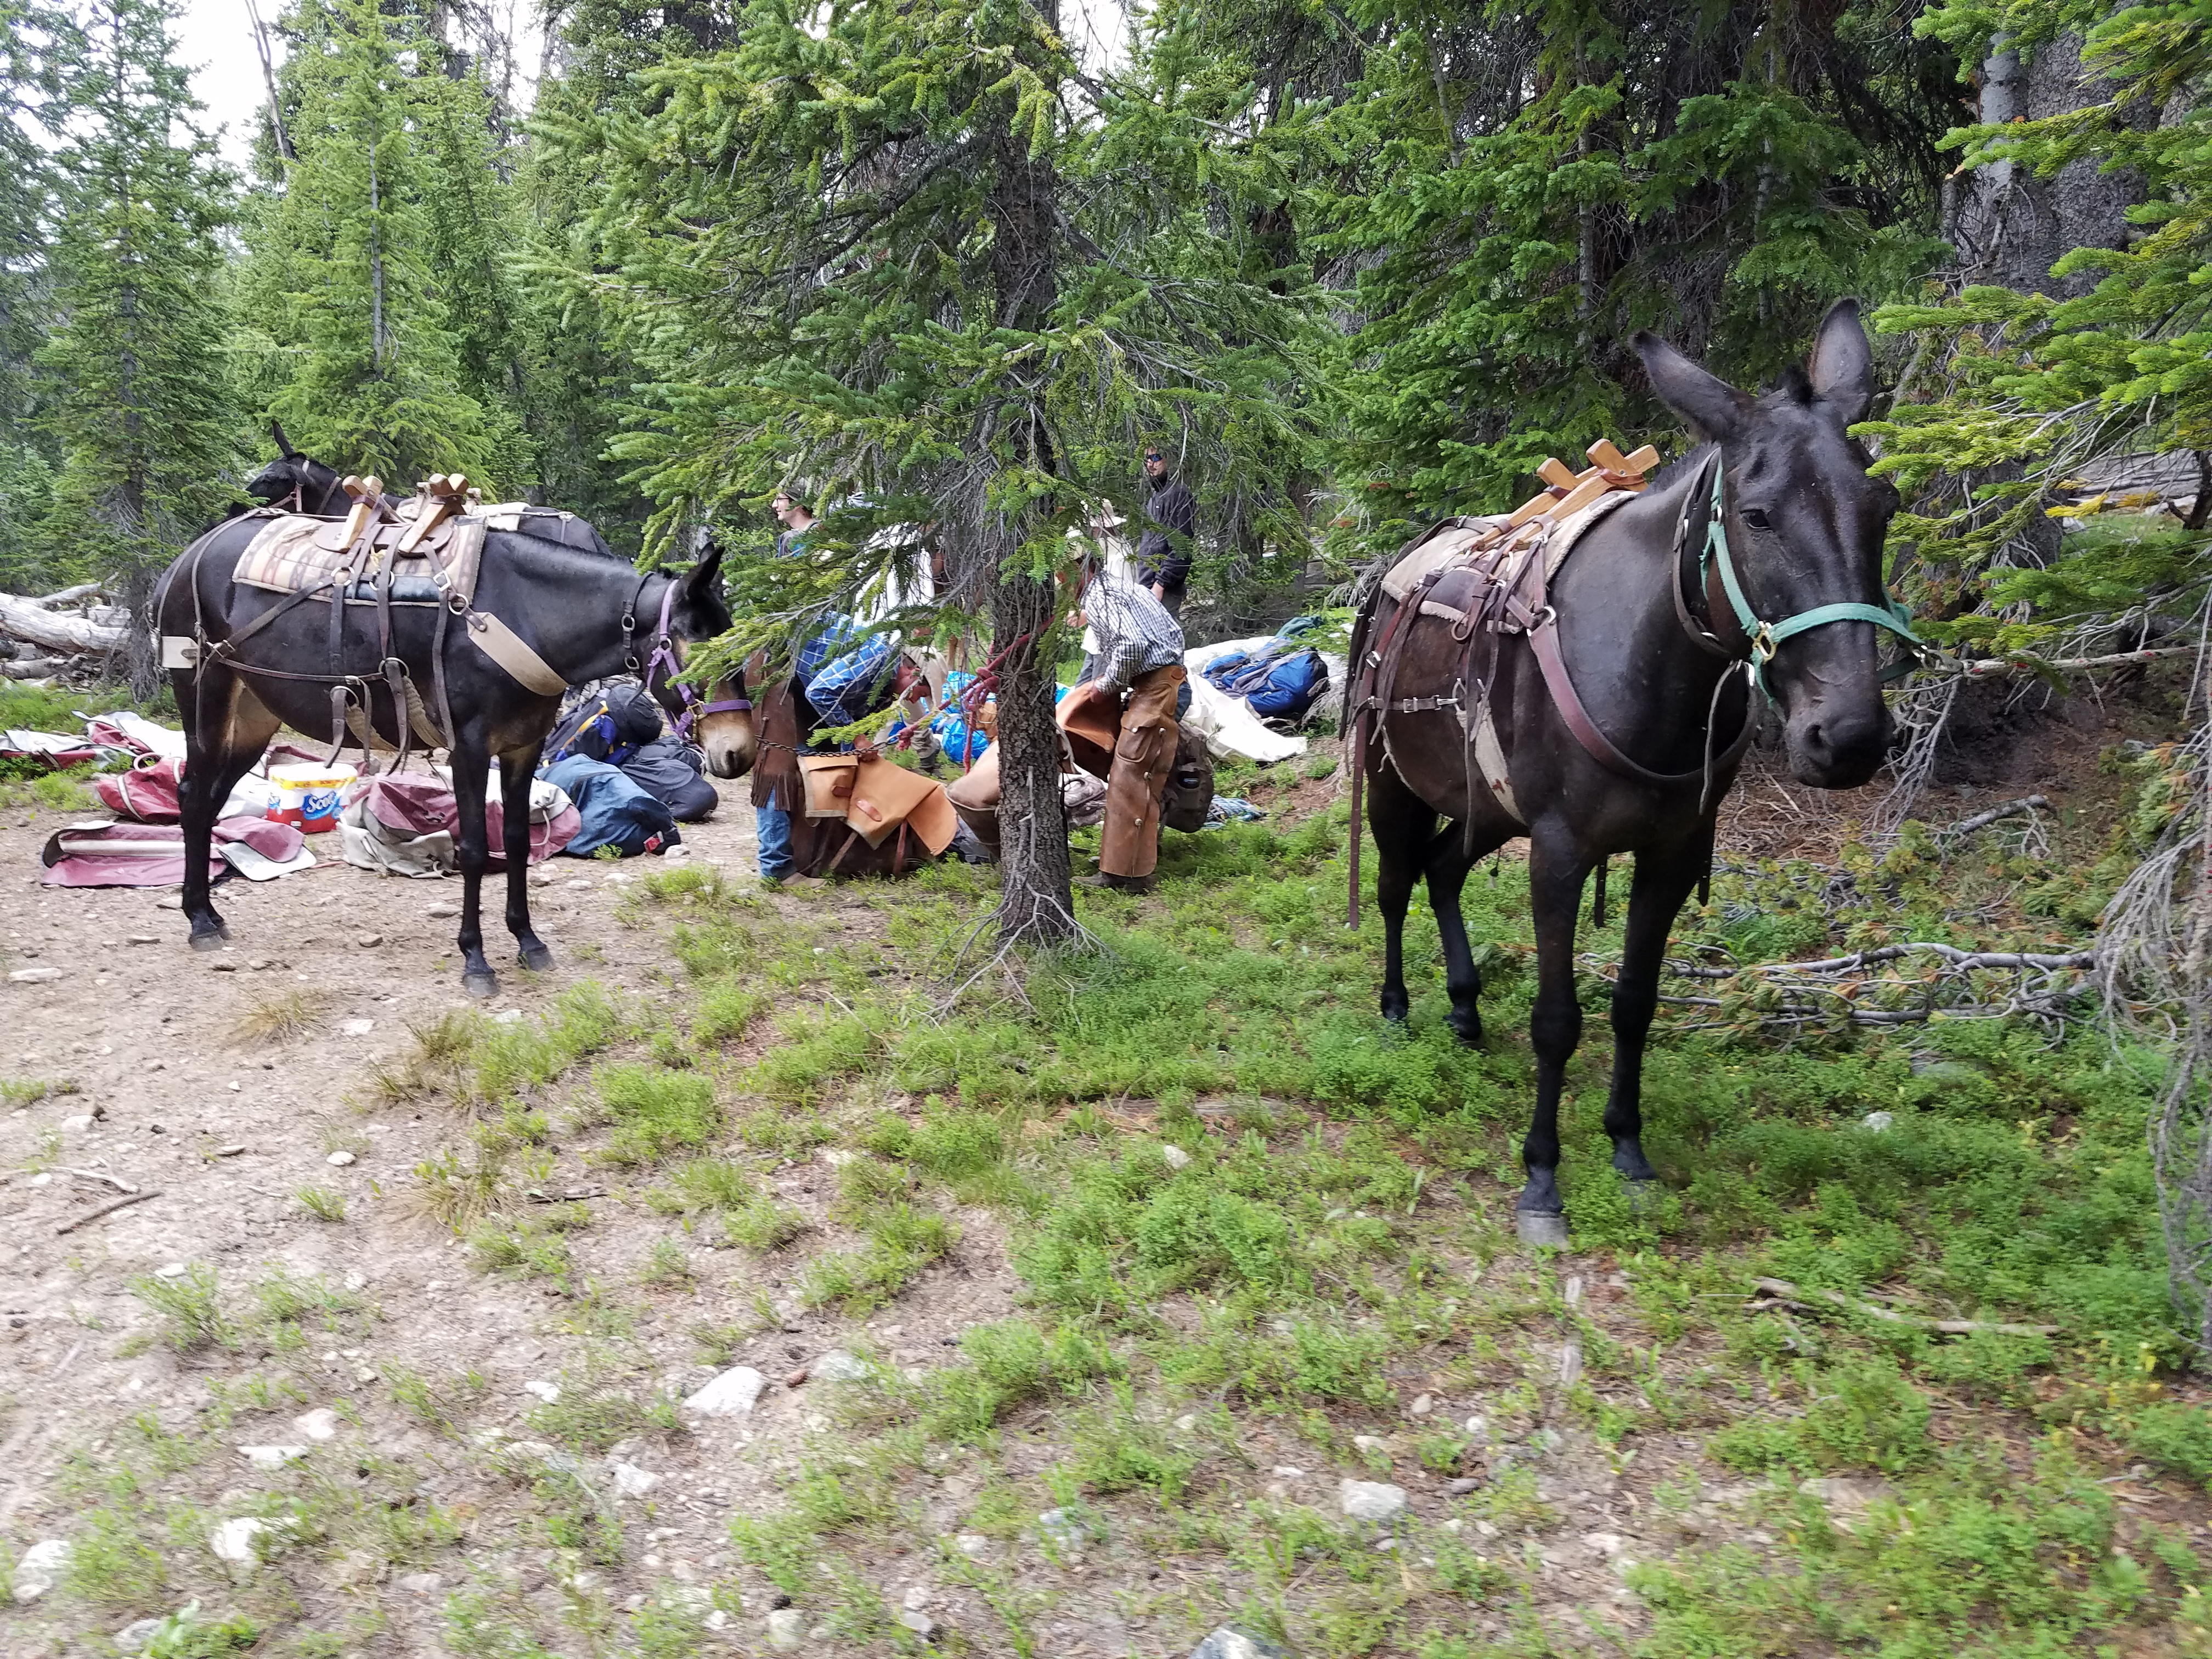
(1708, 403)
(1842, 366)
(704, 581)
(284, 444)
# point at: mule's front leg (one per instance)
(1556, 872)
(1664, 881)
(515, 772)
(471, 774)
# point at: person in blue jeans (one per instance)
(774, 785)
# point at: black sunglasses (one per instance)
(1151, 454)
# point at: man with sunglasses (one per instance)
(1163, 556)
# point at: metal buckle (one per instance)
(1763, 644)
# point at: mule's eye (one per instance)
(1754, 518)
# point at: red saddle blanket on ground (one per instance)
(410, 824)
(153, 854)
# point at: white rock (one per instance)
(357, 1027)
(916, 1598)
(1371, 1442)
(41, 1568)
(732, 1394)
(34, 976)
(975, 1546)
(320, 1424)
(1063, 1529)
(1174, 1156)
(135, 1637)
(548, 1392)
(1371, 1500)
(41, 1179)
(233, 1540)
(1878, 1122)
(339, 1160)
(507, 1017)
(1287, 1471)
(1453, 1525)
(835, 1156)
(420, 1583)
(358, 1280)
(441, 908)
(919, 1623)
(1478, 1428)
(171, 1270)
(77, 1122)
(1423, 1404)
(632, 1481)
(786, 1627)
(271, 1457)
(1604, 1543)
(837, 1366)
(1187, 1423)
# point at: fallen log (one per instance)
(26, 619)
(67, 595)
(32, 668)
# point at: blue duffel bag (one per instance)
(616, 810)
(1281, 687)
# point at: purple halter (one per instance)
(664, 657)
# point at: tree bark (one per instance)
(1037, 904)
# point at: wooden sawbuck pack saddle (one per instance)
(423, 552)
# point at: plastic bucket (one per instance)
(308, 794)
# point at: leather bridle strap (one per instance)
(1767, 637)
(664, 657)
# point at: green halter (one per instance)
(1765, 636)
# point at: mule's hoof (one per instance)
(480, 985)
(211, 941)
(1643, 1197)
(1469, 1033)
(535, 957)
(1537, 1229)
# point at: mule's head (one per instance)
(695, 614)
(293, 476)
(1805, 525)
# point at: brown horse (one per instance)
(1619, 701)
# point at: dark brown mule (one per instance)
(586, 614)
(1649, 632)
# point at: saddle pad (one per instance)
(284, 557)
(1451, 544)
(875, 796)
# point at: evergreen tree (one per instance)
(2016, 389)
(1531, 186)
(345, 279)
(881, 249)
(28, 68)
(140, 410)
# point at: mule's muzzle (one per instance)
(729, 760)
(1838, 745)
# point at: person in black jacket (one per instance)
(1163, 556)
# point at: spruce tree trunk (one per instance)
(1036, 905)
